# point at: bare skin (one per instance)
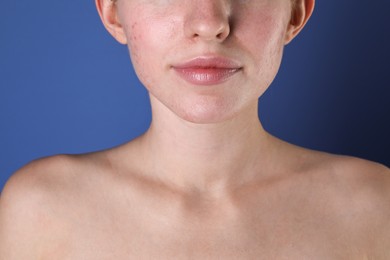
(205, 181)
(99, 206)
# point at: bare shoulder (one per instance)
(25, 205)
(357, 165)
(29, 200)
(362, 177)
(342, 174)
(46, 179)
(43, 176)
(36, 174)
(361, 196)
(35, 178)
(350, 196)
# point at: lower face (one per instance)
(158, 39)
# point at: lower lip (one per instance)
(206, 76)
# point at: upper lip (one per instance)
(216, 62)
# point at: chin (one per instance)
(201, 109)
(206, 112)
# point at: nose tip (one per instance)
(208, 21)
(209, 31)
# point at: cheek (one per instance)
(263, 38)
(265, 33)
(148, 41)
(141, 50)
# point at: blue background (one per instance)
(67, 87)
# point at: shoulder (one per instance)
(31, 197)
(350, 182)
(341, 174)
(35, 178)
(360, 193)
(358, 176)
(371, 184)
(55, 175)
(25, 205)
(40, 176)
(345, 172)
(351, 197)
(362, 187)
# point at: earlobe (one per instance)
(107, 10)
(300, 14)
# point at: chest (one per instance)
(192, 240)
(276, 228)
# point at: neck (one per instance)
(205, 158)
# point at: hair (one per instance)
(292, 1)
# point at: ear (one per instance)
(108, 13)
(300, 14)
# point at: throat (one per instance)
(207, 159)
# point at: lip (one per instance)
(207, 71)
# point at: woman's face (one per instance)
(205, 60)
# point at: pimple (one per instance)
(134, 34)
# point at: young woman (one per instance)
(206, 181)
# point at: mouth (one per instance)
(207, 71)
